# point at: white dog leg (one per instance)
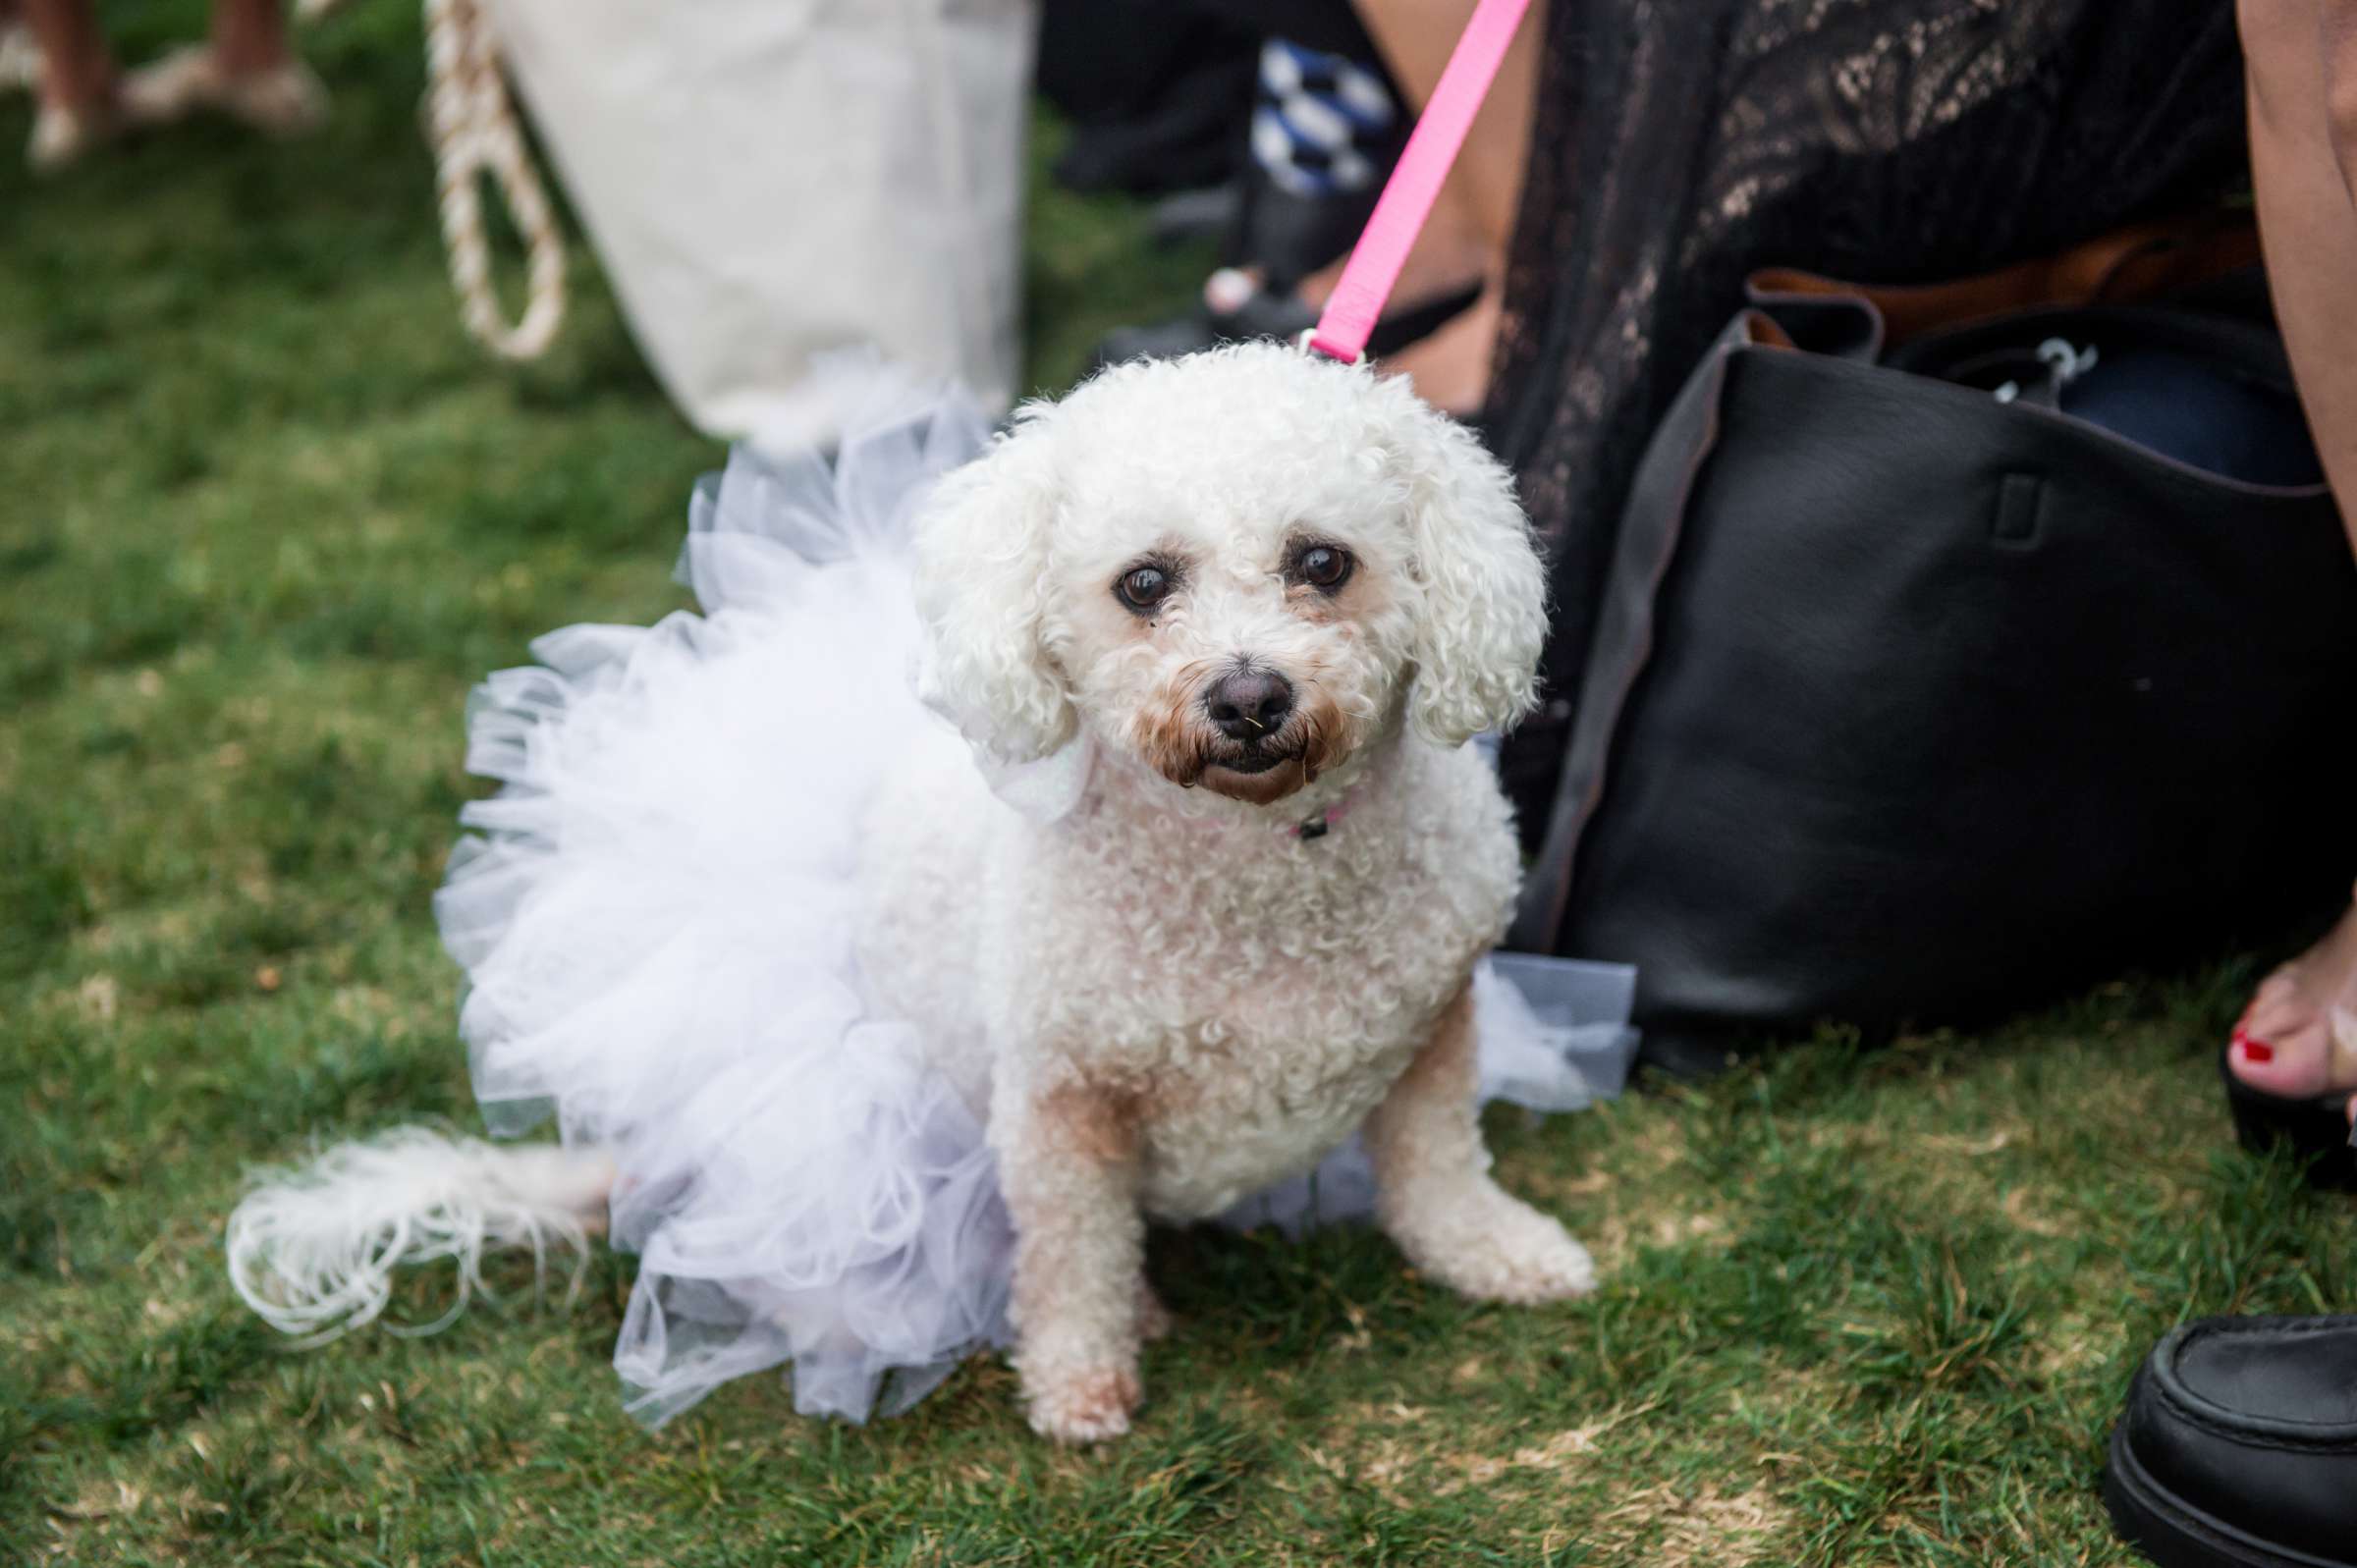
(1433, 1189)
(1071, 1177)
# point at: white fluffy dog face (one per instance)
(1237, 568)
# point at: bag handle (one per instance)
(2122, 268)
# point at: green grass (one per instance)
(265, 515)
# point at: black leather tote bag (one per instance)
(1935, 679)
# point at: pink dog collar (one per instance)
(1357, 301)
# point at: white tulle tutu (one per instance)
(655, 914)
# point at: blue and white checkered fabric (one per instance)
(1319, 119)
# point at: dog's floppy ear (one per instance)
(981, 589)
(1484, 610)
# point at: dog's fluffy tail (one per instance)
(313, 1250)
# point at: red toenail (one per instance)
(2253, 1048)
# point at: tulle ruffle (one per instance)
(655, 916)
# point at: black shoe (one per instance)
(2316, 1130)
(1266, 313)
(2239, 1446)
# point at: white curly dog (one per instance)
(1275, 596)
(1249, 607)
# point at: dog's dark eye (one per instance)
(1142, 588)
(1323, 567)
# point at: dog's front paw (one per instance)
(1084, 1406)
(1497, 1248)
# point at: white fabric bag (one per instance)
(769, 179)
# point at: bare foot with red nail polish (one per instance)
(2298, 1038)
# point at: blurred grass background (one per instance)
(265, 515)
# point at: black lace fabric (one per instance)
(1681, 144)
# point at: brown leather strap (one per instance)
(2123, 267)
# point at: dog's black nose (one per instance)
(1249, 704)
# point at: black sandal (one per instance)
(2316, 1130)
(1267, 313)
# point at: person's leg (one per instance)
(20, 56)
(1449, 259)
(249, 36)
(1462, 245)
(1450, 255)
(78, 74)
(1416, 38)
(2302, 57)
(1450, 369)
(78, 88)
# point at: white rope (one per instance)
(474, 134)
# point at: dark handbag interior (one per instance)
(2209, 390)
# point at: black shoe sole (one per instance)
(2176, 1534)
(2317, 1130)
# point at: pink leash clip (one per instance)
(1358, 298)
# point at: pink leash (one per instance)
(1357, 301)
